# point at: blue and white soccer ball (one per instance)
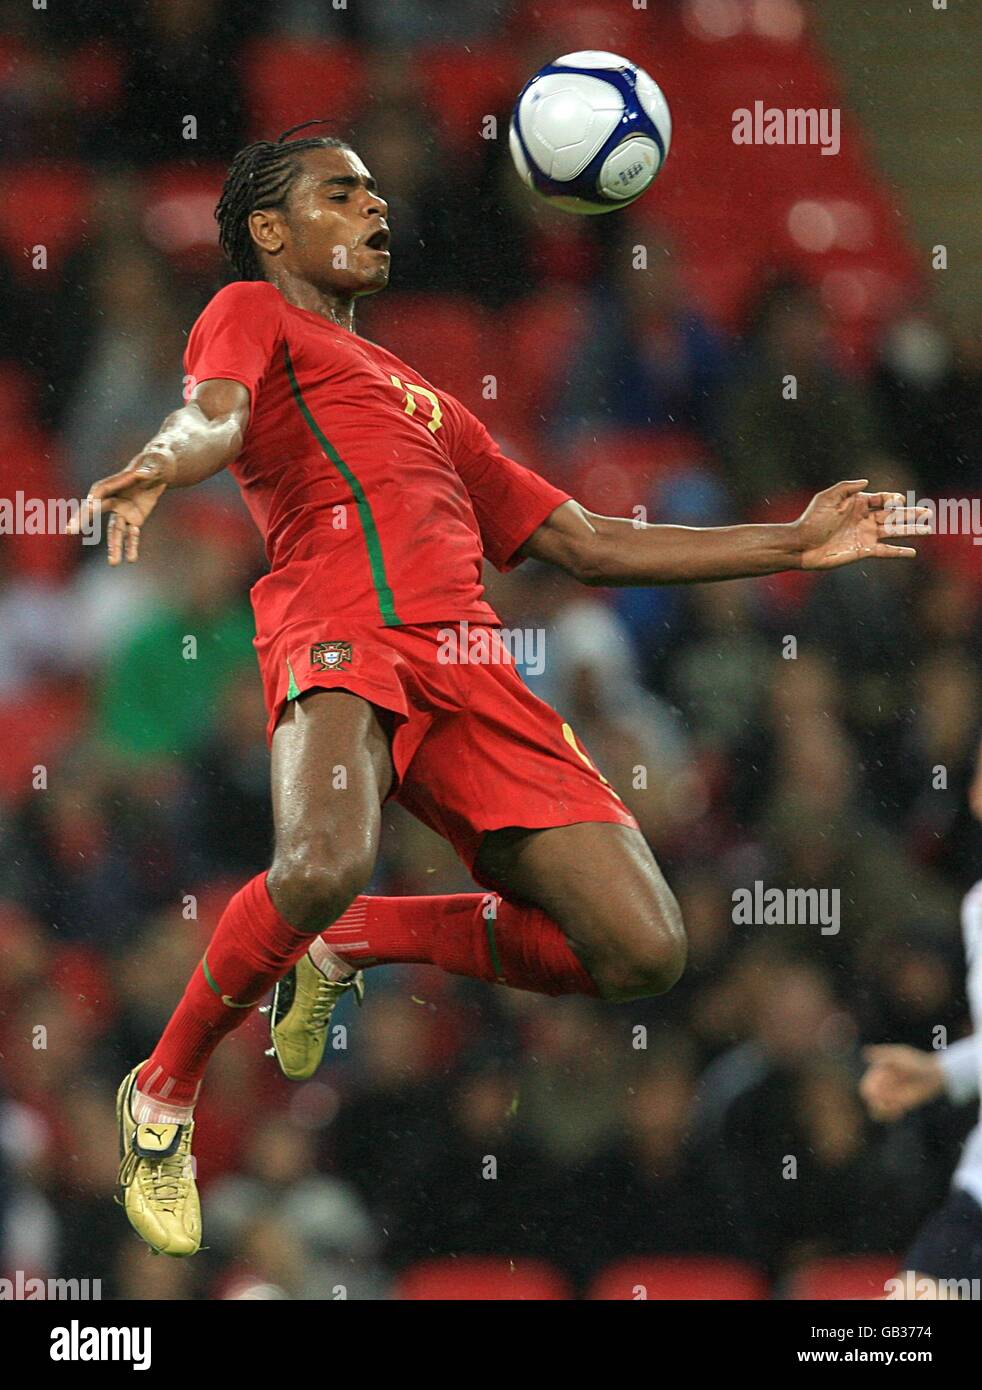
(589, 132)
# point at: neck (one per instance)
(330, 304)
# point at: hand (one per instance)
(127, 498)
(899, 1079)
(844, 524)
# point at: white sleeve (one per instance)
(961, 1064)
(963, 1077)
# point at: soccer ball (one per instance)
(589, 132)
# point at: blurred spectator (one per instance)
(775, 443)
(133, 369)
(163, 696)
(763, 1106)
(429, 218)
(635, 738)
(927, 384)
(30, 611)
(393, 1127)
(180, 69)
(291, 1226)
(394, 26)
(646, 1190)
(646, 356)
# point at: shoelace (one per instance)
(168, 1178)
(323, 1006)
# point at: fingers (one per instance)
(839, 492)
(872, 1094)
(123, 523)
(115, 534)
(94, 505)
(73, 527)
(122, 539)
(144, 471)
(882, 551)
(885, 1111)
(116, 482)
(88, 509)
(903, 521)
(886, 499)
(140, 470)
(880, 1090)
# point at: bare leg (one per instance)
(331, 770)
(600, 883)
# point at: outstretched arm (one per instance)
(195, 442)
(841, 525)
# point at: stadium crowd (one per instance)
(799, 731)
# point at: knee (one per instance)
(651, 962)
(311, 888)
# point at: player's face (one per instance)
(336, 234)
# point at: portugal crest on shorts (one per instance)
(331, 656)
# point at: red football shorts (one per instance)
(473, 749)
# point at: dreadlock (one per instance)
(260, 176)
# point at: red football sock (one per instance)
(480, 935)
(253, 946)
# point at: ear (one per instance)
(267, 230)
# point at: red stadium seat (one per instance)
(776, 80)
(13, 53)
(81, 976)
(848, 1277)
(34, 731)
(179, 212)
(94, 76)
(43, 205)
(845, 241)
(679, 1278)
(811, 224)
(462, 86)
(744, 33)
(19, 391)
(611, 471)
(723, 286)
(533, 351)
(289, 81)
(30, 463)
(722, 207)
(956, 553)
(569, 26)
(479, 1277)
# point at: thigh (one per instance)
(331, 771)
(599, 882)
(502, 757)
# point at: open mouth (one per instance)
(379, 241)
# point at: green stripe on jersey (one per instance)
(383, 593)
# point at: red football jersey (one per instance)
(367, 482)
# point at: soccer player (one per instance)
(379, 496)
(946, 1256)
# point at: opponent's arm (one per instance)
(193, 443)
(840, 525)
(900, 1078)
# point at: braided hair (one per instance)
(260, 176)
